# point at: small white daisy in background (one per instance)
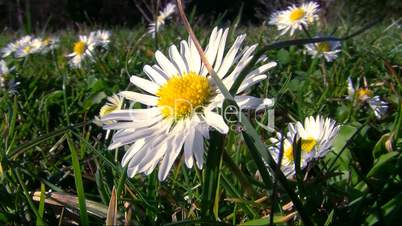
(8, 50)
(365, 95)
(101, 38)
(82, 49)
(28, 46)
(295, 17)
(287, 160)
(114, 103)
(154, 27)
(316, 135)
(3, 71)
(329, 50)
(49, 44)
(181, 101)
(12, 47)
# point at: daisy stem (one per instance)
(306, 31)
(324, 72)
(156, 23)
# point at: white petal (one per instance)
(165, 64)
(145, 84)
(221, 50)
(154, 75)
(231, 54)
(132, 114)
(177, 59)
(188, 149)
(134, 148)
(198, 149)
(195, 57)
(248, 102)
(250, 82)
(139, 97)
(216, 121)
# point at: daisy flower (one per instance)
(153, 27)
(3, 71)
(181, 102)
(287, 160)
(295, 17)
(82, 49)
(49, 44)
(329, 50)
(113, 103)
(365, 95)
(101, 37)
(28, 46)
(8, 49)
(317, 136)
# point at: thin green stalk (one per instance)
(78, 182)
(28, 197)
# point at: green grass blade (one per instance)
(78, 182)
(211, 176)
(28, 197)
(41, 208)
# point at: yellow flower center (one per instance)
(107, 109)
(288, 153)
(364, 93)
(323, 47)
(183, 95)
(79, 47)
(27, 49)
(46, 41)
(297, 14)
(308, 144)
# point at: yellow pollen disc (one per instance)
(183, 95)
(46, 41)
(79, 47)
(107, 109)
(288, 153)
(308, 144)
(323, 47)
(27, 49)
(297, 14)
(364, 93)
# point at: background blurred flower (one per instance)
(82, 49)
(3, 71)
(154, 27)
(329, 50)
(101, 38)
(295, 17)
(365, 95)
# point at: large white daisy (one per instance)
(294, 17)
(82, 49)
(364, 95)
(181, 102)
(329, 50)
(154, 27)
